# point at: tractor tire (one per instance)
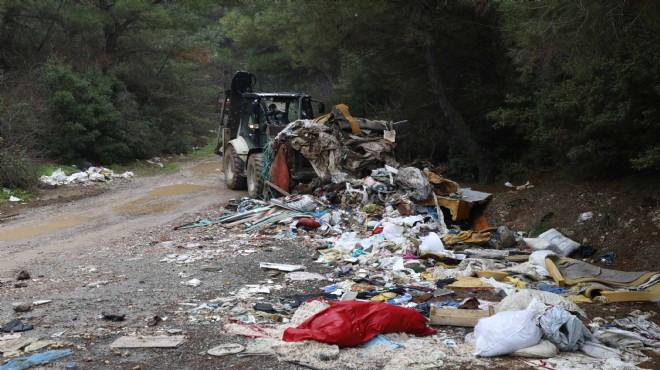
(255, 181)
(233, 167)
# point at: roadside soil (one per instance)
(101, 248)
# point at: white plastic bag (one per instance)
(565, 245)
(431, 244)
(507, 332)
(538, 244)
(537, 259)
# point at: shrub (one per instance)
(16, 169)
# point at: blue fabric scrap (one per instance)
(35, 359)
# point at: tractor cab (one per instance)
(248, 120)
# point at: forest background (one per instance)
(492, 90)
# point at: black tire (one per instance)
(255, 181)
(233, 167)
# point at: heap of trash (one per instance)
(411, 253)
(91, 175)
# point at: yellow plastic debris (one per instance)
(578, 299)
(516, 282)
(467, 236)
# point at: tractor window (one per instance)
(246, 115)
(293, 110)
(275, 111)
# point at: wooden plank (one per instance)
(161, 341)
(457, 317)
(271, 212)
(279, 189)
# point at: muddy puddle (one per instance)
(153, 203)
(32, 230)
(208, 169)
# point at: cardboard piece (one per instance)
(161, 341)
(13, 345)
(468, 282)
(457, 317)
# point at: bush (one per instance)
(16, 169)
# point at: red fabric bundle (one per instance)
(308, 222)
(351, 323)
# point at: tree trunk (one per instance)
(458, 124)
(110, 33)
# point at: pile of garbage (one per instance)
(409, 248)
(91, 175)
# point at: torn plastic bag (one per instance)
(623, 339)
(521, 300)
(563, 329)
(351, 323)
(411, 177)
(599, 350)
(507, 332)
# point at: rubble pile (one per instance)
(409, 242)
(403, 243)
(91, 175)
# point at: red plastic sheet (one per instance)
(279, 171)
(351, 323)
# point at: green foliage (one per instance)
(86, 123)
(590, 72)
(204, 151)
(568, 86)
(16, 169)
(21, 194)
(649, 160)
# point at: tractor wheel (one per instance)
(255, 181)
(233, 167)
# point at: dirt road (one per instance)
(105, 253)
(45, 233)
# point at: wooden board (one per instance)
(162, 341)
(456, 317)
